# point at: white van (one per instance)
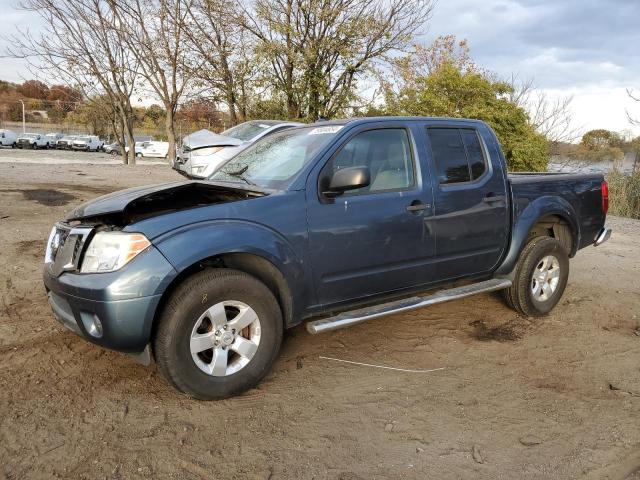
(89, 143)
(8, 138)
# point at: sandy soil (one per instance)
(518, 398)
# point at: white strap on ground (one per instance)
(382, 366)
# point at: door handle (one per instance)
(493, 198)
(417, 207)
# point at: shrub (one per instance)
(624, 194)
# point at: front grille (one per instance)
(66, 246)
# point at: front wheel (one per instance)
(540, 277)
(218, 335)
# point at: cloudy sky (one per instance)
(585, 48)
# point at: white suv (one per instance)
(52, 139)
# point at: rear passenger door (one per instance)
(471, 207)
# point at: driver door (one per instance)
(374, 239)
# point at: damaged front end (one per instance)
(125, 207)
(104, 219)
(94, 285)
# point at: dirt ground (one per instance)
(557, 397)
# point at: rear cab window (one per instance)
(457, 153)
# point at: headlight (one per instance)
(109, 251)
(203, 152)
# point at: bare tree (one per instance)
(154, 31)
(633, 96)
(81, 46)
(551, 117)
(317, 50)
(227, 66)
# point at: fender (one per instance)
(193, 243)
(524, 221)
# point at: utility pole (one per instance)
(24, 129)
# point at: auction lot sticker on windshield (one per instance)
(327, 129)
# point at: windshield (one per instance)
(83, 139)
(275, 161)
(246, 131)
(29, 135)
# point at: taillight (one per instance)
(605, 197)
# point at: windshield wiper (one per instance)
(239, 174)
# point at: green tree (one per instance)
(600, 138)
(450, 90)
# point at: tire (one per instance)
(194, 311)
(540, 277)
(34, 146)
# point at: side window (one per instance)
(387, 153)
(449, 155)
(457, 153)
(474, 152)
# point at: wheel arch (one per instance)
(547, 216)
(255, 265)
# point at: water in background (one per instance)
(569, 166)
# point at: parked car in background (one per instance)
(111, 148)
(66, 142)
(31, 140)
(52, 139)
(8, 138)
(91, 143)
(203, 152)
(154, 149)
(337, 223)
(140, 145)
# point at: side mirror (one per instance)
(345, 179)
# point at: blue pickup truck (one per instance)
(335, 223)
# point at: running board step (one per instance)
(346, 319)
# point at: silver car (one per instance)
(204, 152)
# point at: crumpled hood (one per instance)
(127, 206)
(206, 138)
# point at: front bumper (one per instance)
(114, 310)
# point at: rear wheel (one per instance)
(540, 277)
(218, 335)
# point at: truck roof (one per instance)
(364, 120)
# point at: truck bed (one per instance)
(582, 193)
